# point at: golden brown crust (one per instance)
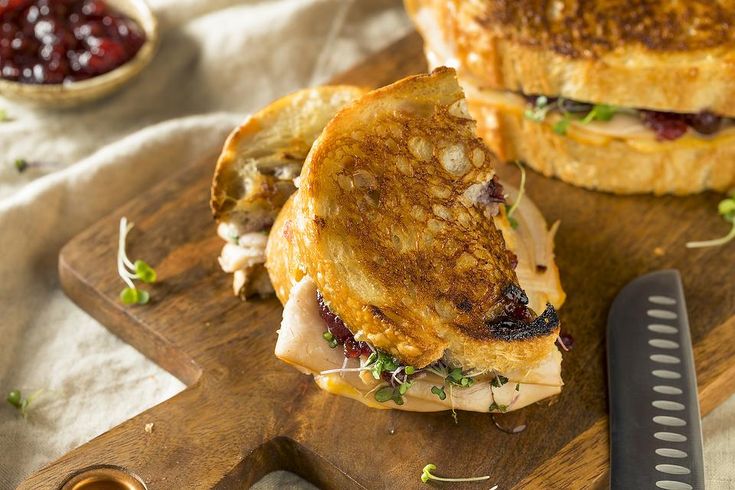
(584, 29)
(660, 62)
(607, 164)
(384, 227)
(282, 255)
(255, 171)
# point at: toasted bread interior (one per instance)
(255, 171)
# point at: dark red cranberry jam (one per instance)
(352, 348)
(57, 41)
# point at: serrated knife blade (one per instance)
(655, 429)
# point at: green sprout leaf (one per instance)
(134, 296)
(15, 398)
(561, 126)
(21, 165)
(129, 296)
(410, 370)
(384, 394)
(426, 475)
(539, 110)
(145, 272)
(382, 362)
(143, 297)
(499, 381)
(457, 378)
(498, 407)
(513, 222)
(600, 112)
(330, 339)
(726, 208)
(439, 391)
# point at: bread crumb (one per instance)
(149, 428)
(659, 252)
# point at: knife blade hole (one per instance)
(667, 390)
(662, 314)
(671, 453)
(658, 328)
(663, 344)
(672, 469)
(667, 405)
(670, 421)
(665, 374)
(662, 300)
(673, 485)
(664, 359)
(670, 437)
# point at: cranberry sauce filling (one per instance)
(352, 348)
(517, 322)
(667, 126)
(57, 41)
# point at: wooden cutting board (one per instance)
(245, 414)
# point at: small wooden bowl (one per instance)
(74, 93)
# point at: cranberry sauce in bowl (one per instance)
(56, 41)
(57, 52)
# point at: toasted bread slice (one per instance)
(255, 171)
(392, 224)
(611, 52)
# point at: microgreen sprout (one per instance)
(539, 110)
(330, 339)
(23, 164)
(600, 112)
(542, 106)
(130, 271)
(426, 476)
(439, 392)
(726, 209)
(521, 192)
(388, 392)
(15, 398)
(499, 380)
(497, 407)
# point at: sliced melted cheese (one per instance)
(300, 344)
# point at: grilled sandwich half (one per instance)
(622, 96)
(404, 284)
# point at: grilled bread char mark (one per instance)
(388, 218)
(579, 28)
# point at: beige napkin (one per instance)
(219, 60)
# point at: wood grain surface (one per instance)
(244, 413)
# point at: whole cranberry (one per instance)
(666, 125)
(705, 122)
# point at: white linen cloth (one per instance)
(219, 60)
